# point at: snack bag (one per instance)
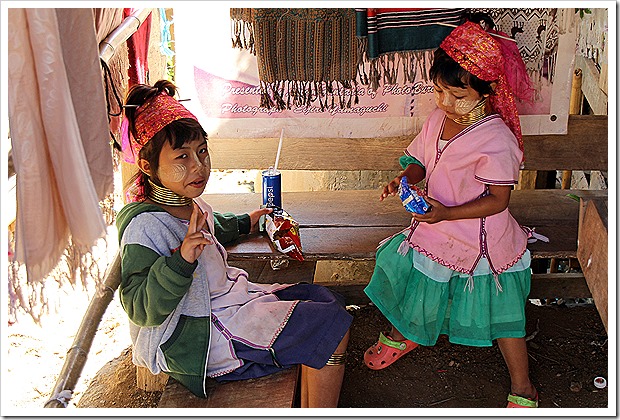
(284, 233)
(411, 198)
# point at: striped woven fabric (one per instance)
(303, 55)
(408, 34)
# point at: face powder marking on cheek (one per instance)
(199, 163)
(437, 99)
(172, 173)
(463, 106)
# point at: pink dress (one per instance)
(484, 153)
(468, 278)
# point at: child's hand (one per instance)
(391, 188)
(255, 217)
(437, 213)
(194, 241)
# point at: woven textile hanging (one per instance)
(303, 55)
(535, 31)
(400, 40)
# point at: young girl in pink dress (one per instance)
(461, 269)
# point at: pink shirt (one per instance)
(484, 153)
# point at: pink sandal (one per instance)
(386, 351)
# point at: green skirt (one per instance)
(423, 299)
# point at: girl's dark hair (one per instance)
(176, 133)
(478, 17)
(450, 73)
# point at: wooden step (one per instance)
(278, 390)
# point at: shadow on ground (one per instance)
(568, 349)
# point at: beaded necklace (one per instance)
(166, 197)
(473, 116)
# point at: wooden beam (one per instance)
(277, 390)
(319, 154)
(591, 86)
(292, 271)
(557, 285)
(78, 352)
(583, 148)
(592, 252)
(329, 233)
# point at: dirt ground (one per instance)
(567, 348)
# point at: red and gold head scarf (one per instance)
(477, 52)
(150, 118)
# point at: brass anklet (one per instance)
(336, 359)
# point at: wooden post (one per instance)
(527, 180)
(592, 251)
(170, 16)
(574, 108)
(576, 97)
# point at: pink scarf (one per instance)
(480, 54)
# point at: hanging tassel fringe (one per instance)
(469, 284)
(285, 94)
(404, 248)
(387, 68)
(242, 31)
(498, 286)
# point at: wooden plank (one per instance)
(583, 148)
(362, 208)
(564, 285)
(333, 243)
(261, 271)
(319, 154)
(555, 285)
(348, 208)
(597, 98)
(349, 224)
(277, 390)
(592, 252)
(532, 207)
(329, 243)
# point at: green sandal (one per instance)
(515, 401)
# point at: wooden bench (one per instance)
(348, 224)
(278, 390)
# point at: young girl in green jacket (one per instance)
(192, 315)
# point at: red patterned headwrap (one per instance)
(150, 118)
(477, 52)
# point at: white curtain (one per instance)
(59, 132)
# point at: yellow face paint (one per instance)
(177, 172)
(445, 101)
(172, 173)
(464, 106)
(199, 163)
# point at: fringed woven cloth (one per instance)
(536, 33)
(303, 55)
(400, 40)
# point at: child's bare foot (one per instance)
(396, 335)
(528, 391)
